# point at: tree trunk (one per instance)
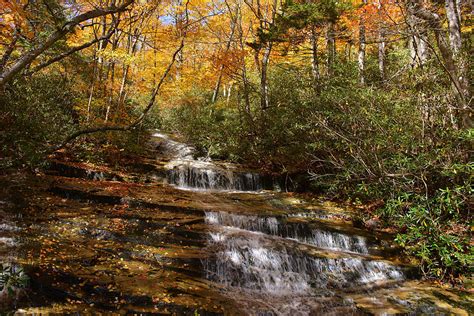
(109, 103)
(215, 94)
(264, 102)
(424, 52)
(461, 87)
(121, 97)
(111, 69)
(382, 54)
(132, 50)
(382, 43)
(419, 50)
(361, 55)
(331, 47)
(314, 54)
(218, 85)
(454, 25)
(244, 68)
(453, 14)
(180, 22)
(91, 92)
(229, 91)
(348, 52)
(246, 89)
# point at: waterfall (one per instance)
(186, 172)
(263, 256)
(258, 253)
(297, 231)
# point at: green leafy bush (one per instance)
(12, 277)
(36, 113)
(436, 229)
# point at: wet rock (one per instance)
(79, 171)
(7, 242)
(9, 299)
(78, 194)
(99, 234)
(373, 223)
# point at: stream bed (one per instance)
(176, 235)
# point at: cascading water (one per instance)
(266, 254)
(205, 175)
(186, 172)
(299, 267)
(298, 231)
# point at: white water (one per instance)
(255, 253)
(260, 257)
(299, 232)
(186, 172)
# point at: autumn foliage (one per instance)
(355, 99)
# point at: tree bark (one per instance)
(348, 51)
(111, 95)
(382, 43)
(314, 54)
(453, 14)
(264, 102)
(454, 25)
(126, 68)
(264, 94)
(244, 67)
(381, 54)
(180, 21)
(461, 87)
(419, 50)
(331, 47)
(361, 55)
(215, 93)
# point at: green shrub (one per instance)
(12, 277)
(36, 113)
